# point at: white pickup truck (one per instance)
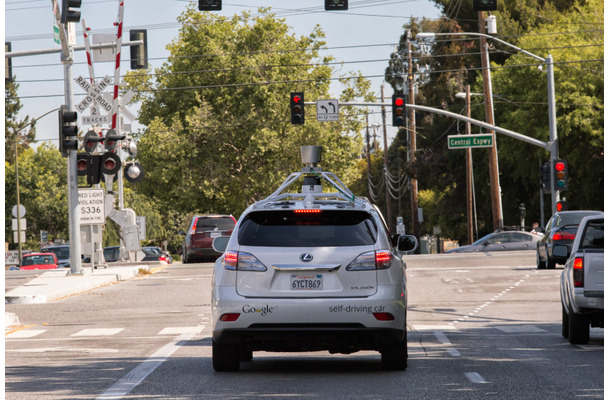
(582, 282)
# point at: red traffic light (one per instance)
(560, 166)
(562, 206)
(296, 98)
(399, 101)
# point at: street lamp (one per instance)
(553, 144)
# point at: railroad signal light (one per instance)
(89, 165)
(485, 5)
(112, 137)
(297, 108)
(562, 206)
(67, 130)
(133, 172)
(560, 169)
(91, 141)
(68, 12)
(331, 5)
(399, 110)
(210, 5)
(139, 52)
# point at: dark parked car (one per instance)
(501, 241)
(112, 253)
(163, 255)
(556, 244)
(202, 231)
(62, 252)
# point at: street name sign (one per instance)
(327, 110)
(469, 141)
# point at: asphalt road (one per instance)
(480, 326)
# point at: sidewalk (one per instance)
(56, 284)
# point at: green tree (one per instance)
(14, 128)
(42, 191)
(218, 133)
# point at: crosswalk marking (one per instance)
(98, 332)
(26, 333)
(180, 330)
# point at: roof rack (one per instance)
(342, 196)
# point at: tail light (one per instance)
(579, 275)
(371, 261)
(563, 236)
(194, 226)
(383, 316)
(229, 317)
(240, 261)
(163, 258)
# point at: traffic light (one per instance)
(331, 5)
(297, 108)
(8, 64)
(90, 141)
(560, 169)
(112, 137)
(210, 5)
(133, 172)
(398, 110)
(562, 206)
(545, 177)
(139, 52)
(89, 165)
(485, 5)
(67, 130)
(68, 13)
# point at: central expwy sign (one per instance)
(466, 141)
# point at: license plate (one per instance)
(215, 234)
(306, 282)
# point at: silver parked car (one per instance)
(501, 241)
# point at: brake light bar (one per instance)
(563, 236)
(308, 211)
(579, 274)
(383, 259)
(194, 226)
(230, 261)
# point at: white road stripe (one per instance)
(98, 332)
(454, 352)
(440, 336)
(180, 330)
(139, 373)
(25, 333)
(474, 377)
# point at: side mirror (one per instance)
(219, 244)
(407, 243)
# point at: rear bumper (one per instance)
(336, 338)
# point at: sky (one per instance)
(376, 25)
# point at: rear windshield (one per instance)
(571, 218)
(61, 253)
(291, 229)
(37, 260)
(593, 237)
(214, 223)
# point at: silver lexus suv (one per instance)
(310, 271)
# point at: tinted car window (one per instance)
(520, 237)
(210, 224)
(570, 219)
(62, 253)
(291, 229)
(593, 237)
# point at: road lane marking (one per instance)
(63, 350)
(20, 334)
(139, 373)
(434, 328)
(475, 377)
(180, 330)
(440, 336)
(98, 332)
(454, 352)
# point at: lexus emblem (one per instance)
(306, 257)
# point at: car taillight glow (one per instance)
(371, 260)
(383, 259)
(308, 211)
(230, 261)
(579, 275)
(240, 261)
(194, 226)
(563, 236)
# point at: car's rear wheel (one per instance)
(225, 357)
(578, 330)
(394, 357)
(565, 321)
(540, 263)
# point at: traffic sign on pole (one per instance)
(327, 110)
(468, 141)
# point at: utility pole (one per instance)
(469, 177)
(494, 176)
(368, 148)
(391, 223)
(412, 143)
